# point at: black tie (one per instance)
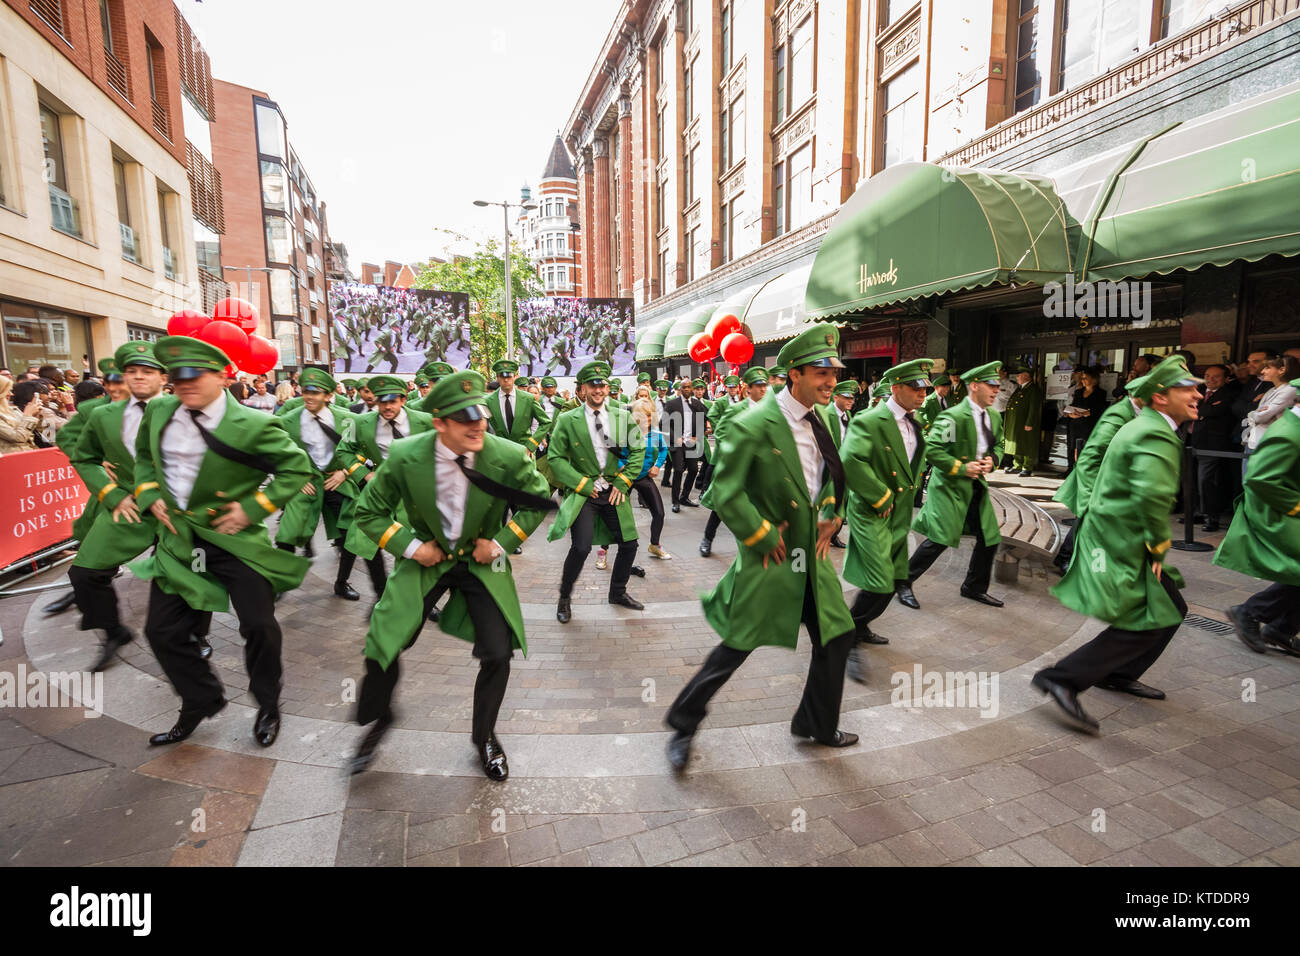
(916, 433)
(510, 413)
(844, 420)
(230, 453)
(984, 430)
(516, 499)
(330, 433)
(600, 430)
(830, 455)
(396, 434)
(142, 406)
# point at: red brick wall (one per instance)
(82, 43)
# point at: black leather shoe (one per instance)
(267, 726)
(679, 750)
(628, 601)
(637, 570)
(1134, 687)
(1247, 629)
(205, 649)
(871, 637)
(563, 611)
(61, 605)
(346, 591)
(112, 644)
(1068, 701)
(1027, 473)
(836, 542)
(706, 547)
(1210, 527)
(494, 759)
(518, 550)
(1279, 639)
(435, 614)
(365, 754)
(665, 484)
(841, 738)
(687, 503)
(676, 508)
(906, 597)
(184, 726)
(856, 669)
(982, 598)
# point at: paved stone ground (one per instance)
(1202, 778)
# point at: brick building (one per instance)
(552, 234)
(100, 185)
(717, 140)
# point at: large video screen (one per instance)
(380, 329)
(559, 336)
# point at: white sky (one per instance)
(402, 113)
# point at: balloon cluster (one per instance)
(722, 336)
(232, 328)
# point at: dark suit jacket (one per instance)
(673, 416)
(1218, 422)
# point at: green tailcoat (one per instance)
(362, 448)
(173, 566)
(400, 504)
(1125, 527)
(1076, 491)
(574, 468)
(527, 411)
(66, 441)
(304, 511)
(950, 443)
(930, 410)
(1025, 407)
(759, 484)
(1264, 539)
(106, 545)
(831, 416)
(880, 479)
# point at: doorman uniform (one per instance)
(1023, 424)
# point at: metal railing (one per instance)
(65, 214)
(1166, 57)
(117, 75)
(160, 120)
(1191, 495)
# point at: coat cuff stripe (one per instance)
(884, 499)
(1160, 548)
(956, 467)
(1294, 511)
(393, 528)
(758, 535)
(265, 502)
(145, 487)
(517, 530)
(582, 484)
(106, 489)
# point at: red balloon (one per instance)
(720, 326)
(737, 349)
(701, 347)
(238, 312)
(263, 355)
(230, 371)
(186, 322)
(228, 337)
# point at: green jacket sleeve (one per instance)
(1154, 480)
(635, 455)
(377, 510)
(730, 492)
(995, 422)
(293, 469)
(147, 489)
(557, 456)
(941, 446)
(544, 424)
(516, 530)
(88, 458)
(859, 472)
(1271, 477)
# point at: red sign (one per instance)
(40, 496)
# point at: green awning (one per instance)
(679, 336)
(650, 341)
(917, 229)
(777, 311)
(1208, 191)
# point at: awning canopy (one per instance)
(917, 229)
(650, 341)
(1208, 191)
(679, 335)
(777, 311)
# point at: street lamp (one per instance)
(510, 304)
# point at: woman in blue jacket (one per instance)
(656, 451)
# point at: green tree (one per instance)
(482, 277)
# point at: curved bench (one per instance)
(1028, 531)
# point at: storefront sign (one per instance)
(868, 279)
(1058, 386)
(40, 497)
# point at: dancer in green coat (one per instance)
(438, 505)
(884, 458)
(1118, 574)
(200, 463)
(1264, 539)
(963, 445)
(754, 389)
(780, 489)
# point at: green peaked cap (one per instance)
(457, 392)
(318, 379)
(136, 353)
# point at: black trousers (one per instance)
(819, 710)
(1066, 551)
(170, 622)
(686, 465)
(711, 526)
(580, 546)
(980, 570)
(97, 600)
(648, 492)
(706, 476)
(867, 606)
(1116, 652)
(333, 501)
(1277, 605)
(493, 646)
(1214, 483)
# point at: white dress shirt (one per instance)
(384, 431)
(502, 398)
(131, 419)
(904, 428)
(183, 448)
(1172, 425)
(688, 419)
(598, 443)
(810, 456)
(319, 446)
(453, 491)
(980, 415)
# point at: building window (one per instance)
(139, 333)
(661, 54)
(130, 239)
(279, 248)
(270, 131)
(732, 132)
(663, 272)
(661, 133)
(902, 117)
(726, 54)
(793, 189)
(283, 299)
(778, 198)
(802, 70)
(692, 241)
(661, 205)
(1029, 83)
(34, 337)
(51, 11)
(65, 212)
(273, 186)
(1177, 15)
(778, 85)
(157, 63)
(692, 175)
(688, 93)
(167, 202)
(1095, 36)
(891, 10)
(731, 226)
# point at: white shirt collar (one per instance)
(1172, 425)
(215, 410)
(975, 408)
(445, 454)
(791, 405)
(1136, 407)
(895, 409)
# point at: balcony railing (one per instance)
(117, 76)
(1166, 57)
(169, 263)
(130, 243)
(65, 214)
(160, 120)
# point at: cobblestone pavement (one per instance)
(1208, 776)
